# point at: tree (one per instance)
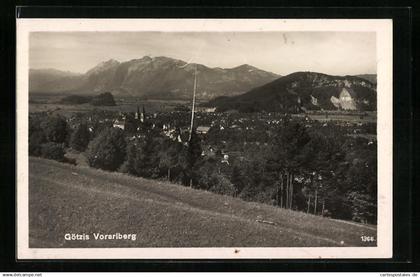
(361, 183)
(79, 139)
(107, 151)
(53, 151)
(36, 139)
(193, 154)
(180, 171)
(168, 157)
(205, 172)
(363, 207)
(142, 158)
(55, 128)
(36, 135)
(75, 100)
(103, 99)
(130, 124)
(288, 157)
(98, 127)
(237, 177)
(320, 158)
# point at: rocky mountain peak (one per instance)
(103, 66)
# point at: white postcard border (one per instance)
(383, 29)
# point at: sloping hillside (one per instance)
(370, 77)
(68, 199)
(157, 77)
(304, 91)
(53, 80)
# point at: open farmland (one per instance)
(51, 103)
(69, 199)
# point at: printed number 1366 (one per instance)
(367, 238)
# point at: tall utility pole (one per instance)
(193, 103)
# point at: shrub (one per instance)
(222, 185)
(53, 151)
(70, 161)
(107, 150)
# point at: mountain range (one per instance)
(151, 77)
(302, 91)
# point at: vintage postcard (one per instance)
(204, 138)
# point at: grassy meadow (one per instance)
(74, 199)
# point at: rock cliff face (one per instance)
(346, 100)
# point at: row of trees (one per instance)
(148, 155)
(315, 173)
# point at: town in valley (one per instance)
(215, 151)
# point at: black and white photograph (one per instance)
(207, 138)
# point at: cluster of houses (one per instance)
(139, 118)
(174, 125)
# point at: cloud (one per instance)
(337, 53)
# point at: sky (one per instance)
(335, 53)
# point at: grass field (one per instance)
(368, 117)
(51, 103)
(71, 199)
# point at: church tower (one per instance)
(143, 115)
(137, 116)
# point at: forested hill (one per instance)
(302, 91)
(370, 77)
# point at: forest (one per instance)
(318, 169)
